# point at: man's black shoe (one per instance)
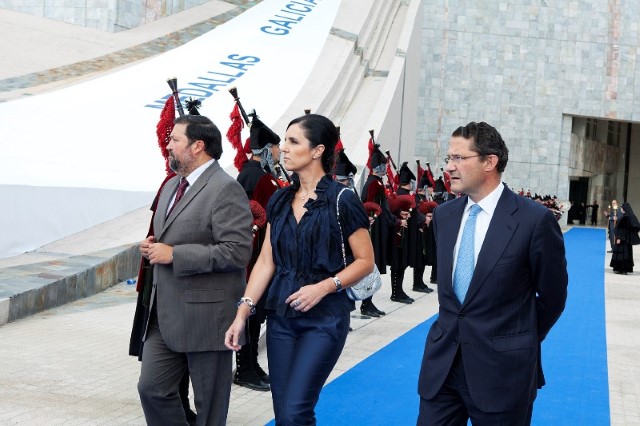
(370, 312)
(254, 383)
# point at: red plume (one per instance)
(427, 207)
(164, 129)
(339, 146)
(430, 176)
(234, 135)
(420, 172)
(259, 215)
(392, 177)
(447, 181)
(372, 209)
(371, 147)
(401, 203)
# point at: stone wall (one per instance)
(527, 67)
(105, 15)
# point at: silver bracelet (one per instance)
(249, 302)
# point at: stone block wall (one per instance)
(105, 15)
(527, 67)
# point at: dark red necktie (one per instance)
(182, 188)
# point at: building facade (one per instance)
(557, 79)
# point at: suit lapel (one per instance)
(188, 196)
(166, 195)
(501, 229)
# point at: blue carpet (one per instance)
(574, 355)
(574, 359)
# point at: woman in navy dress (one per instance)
(308, 311)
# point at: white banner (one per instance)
(101, 133)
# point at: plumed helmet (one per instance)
(344, 167)
(377, 157)
(406, 175)
(261, 135)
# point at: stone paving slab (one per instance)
(69, 365)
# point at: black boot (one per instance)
(397, 294)
(255, 323)
(418, 284)
(245, 374)
(369, 309)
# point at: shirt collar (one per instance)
(194, 175)
(487, 204)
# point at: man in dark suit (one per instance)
(502, 285)
(200, 250)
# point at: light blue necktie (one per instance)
(466, 257)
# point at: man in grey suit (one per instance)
(199, 253)
(502, 285)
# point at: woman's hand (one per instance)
(232, 336)
(310, 295)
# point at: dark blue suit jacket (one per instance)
(517, 293)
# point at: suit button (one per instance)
(460, 315)
(455, 342)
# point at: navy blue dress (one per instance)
(310, 251)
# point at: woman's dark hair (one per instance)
(320, 131)
(201, 128)
(486, 140)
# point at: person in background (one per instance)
(260, 184)
(405, 248)
(301, 272)
(626, 236)
(502, 285)
(594, 213)
(582, 213)
(345, 172)
(613, 214)
(383, 227)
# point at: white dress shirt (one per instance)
(488, 205)
(192, 178)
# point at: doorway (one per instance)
(578, 190)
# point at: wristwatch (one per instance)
(338, 283)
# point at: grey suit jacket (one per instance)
(210, 231)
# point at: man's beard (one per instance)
(174, 163)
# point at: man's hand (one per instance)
(160, 253)
(144, 246)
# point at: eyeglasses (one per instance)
(457, 159)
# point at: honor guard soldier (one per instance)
(257, 179)
(384, 225)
